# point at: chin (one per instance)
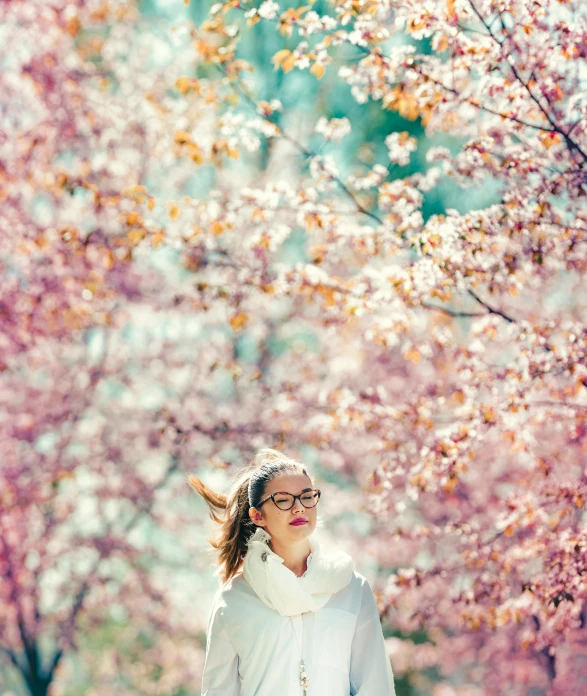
(303, 530)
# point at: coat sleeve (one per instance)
(371, 673)
(220, 676)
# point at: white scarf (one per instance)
(276, 585)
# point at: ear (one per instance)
(256, 517)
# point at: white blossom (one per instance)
(399, 146)
(268, 9)
(335, 129)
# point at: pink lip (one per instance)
(298, 521)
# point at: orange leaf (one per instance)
(73, 26)
(238, 320)
(318, 69)
(133, 218)
(174, 211)
(450, 485)
(549, 139)
(559, 93)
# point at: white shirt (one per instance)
(252, 650)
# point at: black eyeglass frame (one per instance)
(312, 490)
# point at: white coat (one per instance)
(252, 650)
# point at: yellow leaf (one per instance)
(279, 57)
(196, 154)
(238, 320)
(413, 355)
(109, 260)
(318, 69)
(217, 227)
(182, 137)
(318, 252)
(459, 396)
(408, 107)
(184, 84)
(264, 242)
(328, 295)
(174, 211)
(135, 236)
(442, 43)
(412, 25)
(157, 239)
(258, 215)
(135, 192)
(288, 63)
(488, 414)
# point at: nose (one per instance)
(297, 506)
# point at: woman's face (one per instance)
(279, 522)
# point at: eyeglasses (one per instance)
(285, 501)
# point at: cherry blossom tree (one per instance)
(437, 365)
(448, 369)
(87, 475)
(78, 139)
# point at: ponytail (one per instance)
(231, 511)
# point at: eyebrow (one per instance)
(304, 491)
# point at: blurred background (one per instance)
(117, 382)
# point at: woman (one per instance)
(292, 618)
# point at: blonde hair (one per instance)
(231, 511)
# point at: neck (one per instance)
(294, 556)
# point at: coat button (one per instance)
(264, 556)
